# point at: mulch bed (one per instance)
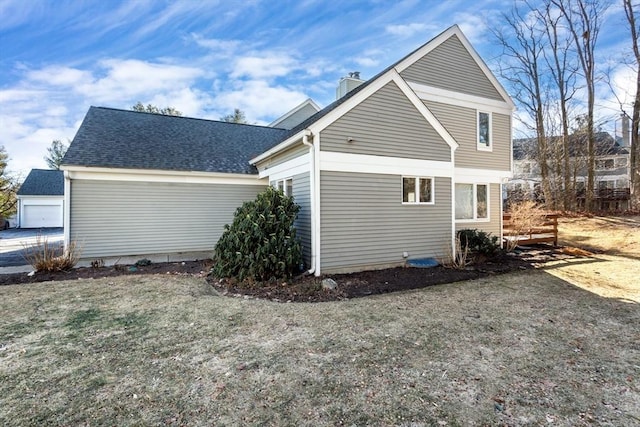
(309, 288)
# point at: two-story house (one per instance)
(386, 173)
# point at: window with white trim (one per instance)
(472, 202)
(417, 190)
(484, 131)
(286, 185)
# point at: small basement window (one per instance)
(417, 190)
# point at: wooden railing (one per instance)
(607, 193)
(545, 232)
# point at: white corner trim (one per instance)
(481, 176)
(459, 99)
(291, 167)
(139, 175)
(362, 163)
(66, 211)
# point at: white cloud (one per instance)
(265, 66)
(216, 45)
(127, 79)
(473, 26)
(260, 101)
(405, 30)
(59, 76)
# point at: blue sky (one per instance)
(206, 58)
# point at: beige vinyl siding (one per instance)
(494, 224)
(302, 197)
(297, 150)
(461, 123)
(118, 218)
(365, 225)
(385, 124)
(450, 66)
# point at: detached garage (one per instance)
(41, 199)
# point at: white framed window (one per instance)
(417, 190)
(286, 185)
(484, 131)
(472, 202)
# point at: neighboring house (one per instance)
(387, 172)
(612, 171)
(41, 199)
(297, 115)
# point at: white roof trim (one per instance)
(441, 38)
(284, 144)
(156, 175)
(430, 93)
(282, 118)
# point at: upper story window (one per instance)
(484, 131)
(417, 190)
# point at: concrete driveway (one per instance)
(12, 243)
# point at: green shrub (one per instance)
(479, 242)
(261, 242)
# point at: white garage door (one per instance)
(38, 216)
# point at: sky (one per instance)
(207, 57)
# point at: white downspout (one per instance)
(312, 181)
(66, 210)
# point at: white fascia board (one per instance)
(491, 176)
(434, 94)
(289, 168)
(284, 144)
(361, 163)
(441, 38)
(141, 175)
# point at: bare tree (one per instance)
(8, 187)
(563, 72)
(582, 18)
(635, 115)
(523, 43)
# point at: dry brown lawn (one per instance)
(614, 269)
(523, 349)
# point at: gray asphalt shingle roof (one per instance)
(43, 182)
(114, 138)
